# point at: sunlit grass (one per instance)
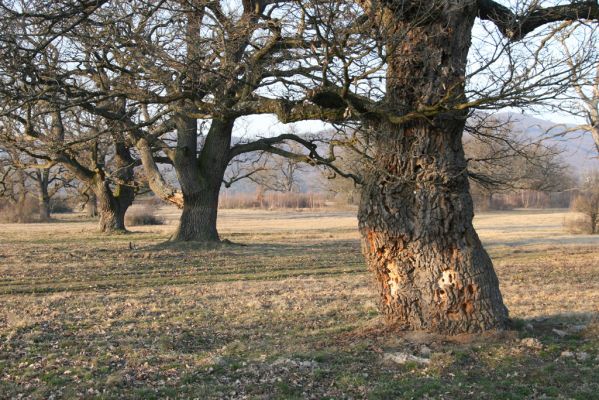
(290, 314)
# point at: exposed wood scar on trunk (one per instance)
(394, 282)
(448, 278)
(176, 199)
(454, 297)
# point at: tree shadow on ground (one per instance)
(144, 353)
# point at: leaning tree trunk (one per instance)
(416, 211)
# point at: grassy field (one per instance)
(289, 315)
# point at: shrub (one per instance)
(273, 200)
(60, 205)
(156, 201)
(143, 216)
(577, 223)
(24, 212)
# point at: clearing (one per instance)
(289, 315)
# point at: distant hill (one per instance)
(578, 145)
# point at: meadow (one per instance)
(286, 312)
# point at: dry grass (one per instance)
(289, 315)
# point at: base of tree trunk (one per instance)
(44, 213)
(197, 224)
(113, 231)
(194, 236)
(112, 222)
(112, 206)
(194, 245)
(440, 289)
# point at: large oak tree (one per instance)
(94, 152)
(184, 73)
(416, 211)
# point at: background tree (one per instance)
(42, 123)
(502, 160)
(587, 200)
(583, 99)
(24, 176)
(13, 188)
(270, 173)
(102, 162)
(187, 71)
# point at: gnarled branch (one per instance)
(515, 27)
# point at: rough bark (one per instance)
(416, 211)
(115, 195)
(112, 218)
(200, 176)
(198, 220)
(112, 205)
(418, 239)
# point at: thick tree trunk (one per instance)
(416, 211)
(112, 219)
(112, 205)
(201, 177)
(198, 220)
(416, 224)
(110, 210)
